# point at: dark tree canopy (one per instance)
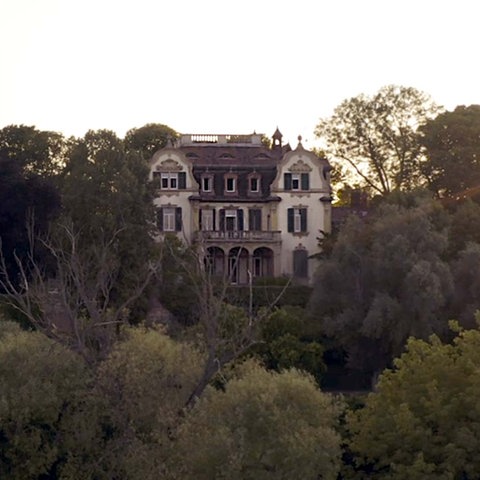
(452, 143)
(37, 152)
(149, 138)
(106, 195)
(385, 280)
(24, 199)
(376, 137)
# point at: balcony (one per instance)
(239, 236)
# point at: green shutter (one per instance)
(290, 220)
(222, 219)
(305, 181)
(178, 219)
(255, 219)
(182, 181)
(303, 219)
(240, 219)
(287, 181)
(160, 219)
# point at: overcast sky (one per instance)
(218, 66)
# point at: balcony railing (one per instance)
(239, 236)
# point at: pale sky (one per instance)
(218, 66)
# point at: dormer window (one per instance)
(297, 181)
(254, 184)
(230, 183)
(171, 181)
(207, 183)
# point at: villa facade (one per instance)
(255, 210)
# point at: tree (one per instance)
(42, 396)
(466, 277)
(377, 137)
(23, 197)
(265, 425)
(386, 280)
(142, 388)
(149, 138)
(453, 152)
(36, 152)
(285, 342)
(423, 421)
(106, 196)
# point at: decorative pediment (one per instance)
(169, 165)
(300, 167)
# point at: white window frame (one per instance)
(207, 220)
(256, 179)
(207, 182)
(169, 181)
(296, 181)
(169, 219)
(297, 220)
(232, 214)
(234, 184)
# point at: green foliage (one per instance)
(423, 421)
(271, 292)
(43, 392)
(178, 279)
(149, 138)
(284, 343)
(464, 227)
(453, 152)
(107, 198)
(36, 152)
(264, 425)
(142, 388)
(25, 199)
(376, 137)
(385, 280)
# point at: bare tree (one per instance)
(74, 303)
(227, 331)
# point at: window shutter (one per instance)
(240, 218)
(290, 219)
(305, 181)
(178, 219)
(160, 219)
(303, 219)
(300, 263)
(287, 181)
(182, 181)
(255, 219)
(200, 219)
(214, 219)
(222, 219)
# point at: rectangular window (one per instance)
(300, 263)
(207, 220)
(295, 181)
(255, 219)
(230, 184)
(168, 219)
(231, 220)
(169, 181)
(207, 184)
(297, 220)
(254, 184)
